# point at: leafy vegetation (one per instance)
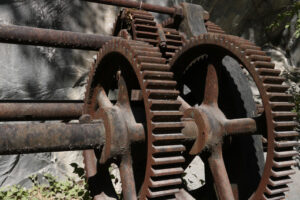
(286, 14)
(53, 190)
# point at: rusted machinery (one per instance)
(157, 96)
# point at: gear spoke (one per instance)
(128, 183)
(123, 98)
(221, 180)
(99, 180)
(240, 126)
(211, 86)
(103, 100)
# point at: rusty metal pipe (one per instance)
(51, 38)
(49, 137)
(40, 111)
(140, 5)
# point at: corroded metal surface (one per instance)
(40, 110)
(50, 38)
(162, 117)
(47, 137)
(277, 112)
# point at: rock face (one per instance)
(29, 72)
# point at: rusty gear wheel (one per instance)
(141, 26)
(276, 122)
(151, 85)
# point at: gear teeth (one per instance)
(155, 67)
(166, 172)
(280, 182)
(279, 97)
(276, 87)
(143, 16)
(284, 134)
(162, 94)
(276, 190)
(144, 22)
(275, 197)
(164, 104)
(142, 27)
(285, 125)
(282, 164)
(149, 59)
(268, 72)
(146, 48)
(157, 75)
(285, 154)
(172, 48)
(284, 115)
(283, 144)
(282, 173)
(251, 47)
(167, 160)
(164, 84)
(168, 148)
(260, 58)
(213, 28)
(264, 64)
(147, 53)
(272, 79)
(168, 137)
(162, 193)
(165, 183)
(171, 31)
(256, 52)
(163, 126)
(282, 106)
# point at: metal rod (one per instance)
(38, 110)
(51, 38)
(140, 5)
(48, 137)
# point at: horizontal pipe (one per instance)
(40, 111)
(51, 38)
(139, 5)
(50, 137)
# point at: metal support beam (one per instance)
(51, 38)
(140, 5)
(40, 110)
(48, 137)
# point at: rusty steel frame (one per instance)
(40, 110)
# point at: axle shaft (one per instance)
(140, 5)
(40, 110)
(48, 137)
(51, 38)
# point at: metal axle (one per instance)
(51, 38)
(140, 5)
(40, 110)
(47, 137)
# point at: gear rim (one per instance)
(159, 93)
(244, 51)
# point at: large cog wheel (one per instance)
(140, 68)
(140, 26)
(277, 116)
